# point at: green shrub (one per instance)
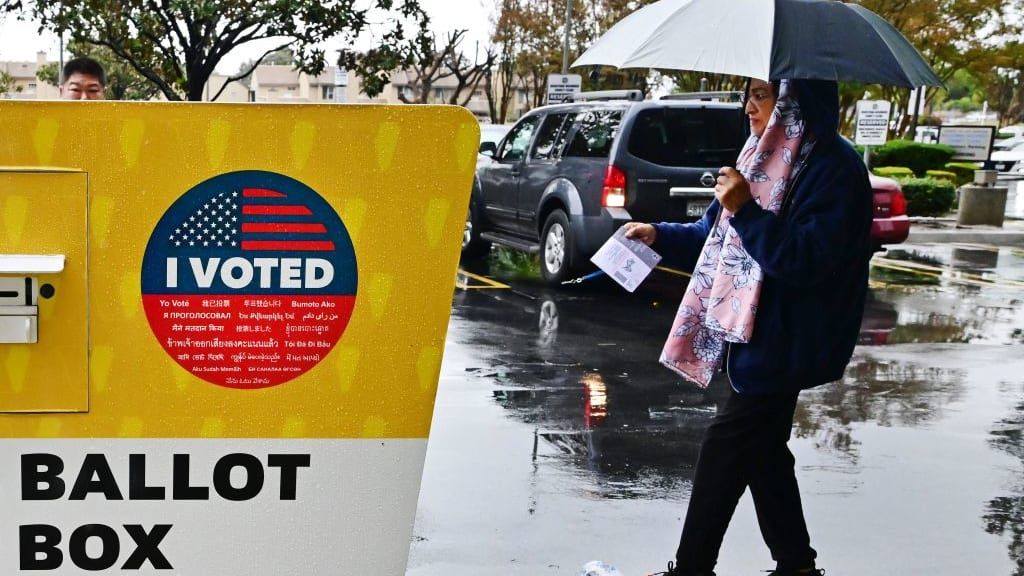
(1004, 135)
(964, 171)
(942, 175)
(893, 172)
(920, 158)
(928, 196)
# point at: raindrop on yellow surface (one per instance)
(15, 217)
(435, 219)
(346, 363)
(44, 138)
(101, 209)
(212, 428)
(466, 145)
(131, 299)
(100, 361)
(131, 427)
(18, 357)
(374, 427)
(181, 377)
(303, 136)
(217, 137)
(387, 141)
(294, 427)
(352, 213)
(428, 366)
(379, 292)
(49, 427)
(132, 133)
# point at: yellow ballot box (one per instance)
(221, 330)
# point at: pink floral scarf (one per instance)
(721, 300)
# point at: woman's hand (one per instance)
(643, 232)
(732, 191)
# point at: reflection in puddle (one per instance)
(886, 393)
(1005, 516)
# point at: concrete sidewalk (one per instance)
(945, 230)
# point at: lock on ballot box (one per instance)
(221, 329)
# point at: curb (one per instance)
(1012, 238)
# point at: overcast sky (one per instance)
(21, 41)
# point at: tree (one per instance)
(430, 64)
(950, 34)
(1003, 82)
(532, 33)
(6, 82)
(178, 44)
(123, 82)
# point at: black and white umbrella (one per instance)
(766, 39)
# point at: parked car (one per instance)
(1008, 155)
(890, 224)
(567, 176)
(490, 137)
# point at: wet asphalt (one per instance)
(558, 439)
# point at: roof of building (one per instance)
(20, 70)
(279, 75)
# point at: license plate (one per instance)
(697, 208)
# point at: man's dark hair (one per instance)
(85, 66)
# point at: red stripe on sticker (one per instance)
(261, 193)
(264, 210)
(289, 245)
(283, 228)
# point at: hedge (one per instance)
(928, 196)
(919, 157)
(942, 175)
(964, 171)
(893, 172)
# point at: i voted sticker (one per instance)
(249, 279)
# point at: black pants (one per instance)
(745, 446)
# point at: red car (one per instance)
(891, 224)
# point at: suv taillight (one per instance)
(614, 193)
(898, 204)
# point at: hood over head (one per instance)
(819, 104)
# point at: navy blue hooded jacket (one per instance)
(814, 256)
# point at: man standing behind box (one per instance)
(83, 79)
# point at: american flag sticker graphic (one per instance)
(249, 280)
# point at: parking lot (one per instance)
(558, 439)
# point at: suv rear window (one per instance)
(594, 133)
(687, 136)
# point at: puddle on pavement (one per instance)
(574, 374)
(1004, 513)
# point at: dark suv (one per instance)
(567, 176)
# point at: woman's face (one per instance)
(760, 103)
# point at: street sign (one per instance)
(971, 143)
(220, 341)
(872, 122)
(562, 86)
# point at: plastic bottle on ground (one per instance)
(598, 568)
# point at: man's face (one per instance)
(80, 86)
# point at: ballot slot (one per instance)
(19, 310)
(44, 332)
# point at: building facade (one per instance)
(282, 83)
(26, 84)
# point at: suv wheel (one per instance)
(472, 245)
(556, 248)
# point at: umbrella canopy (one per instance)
(766, 39)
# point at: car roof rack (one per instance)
(722, 96)
(602, 95)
